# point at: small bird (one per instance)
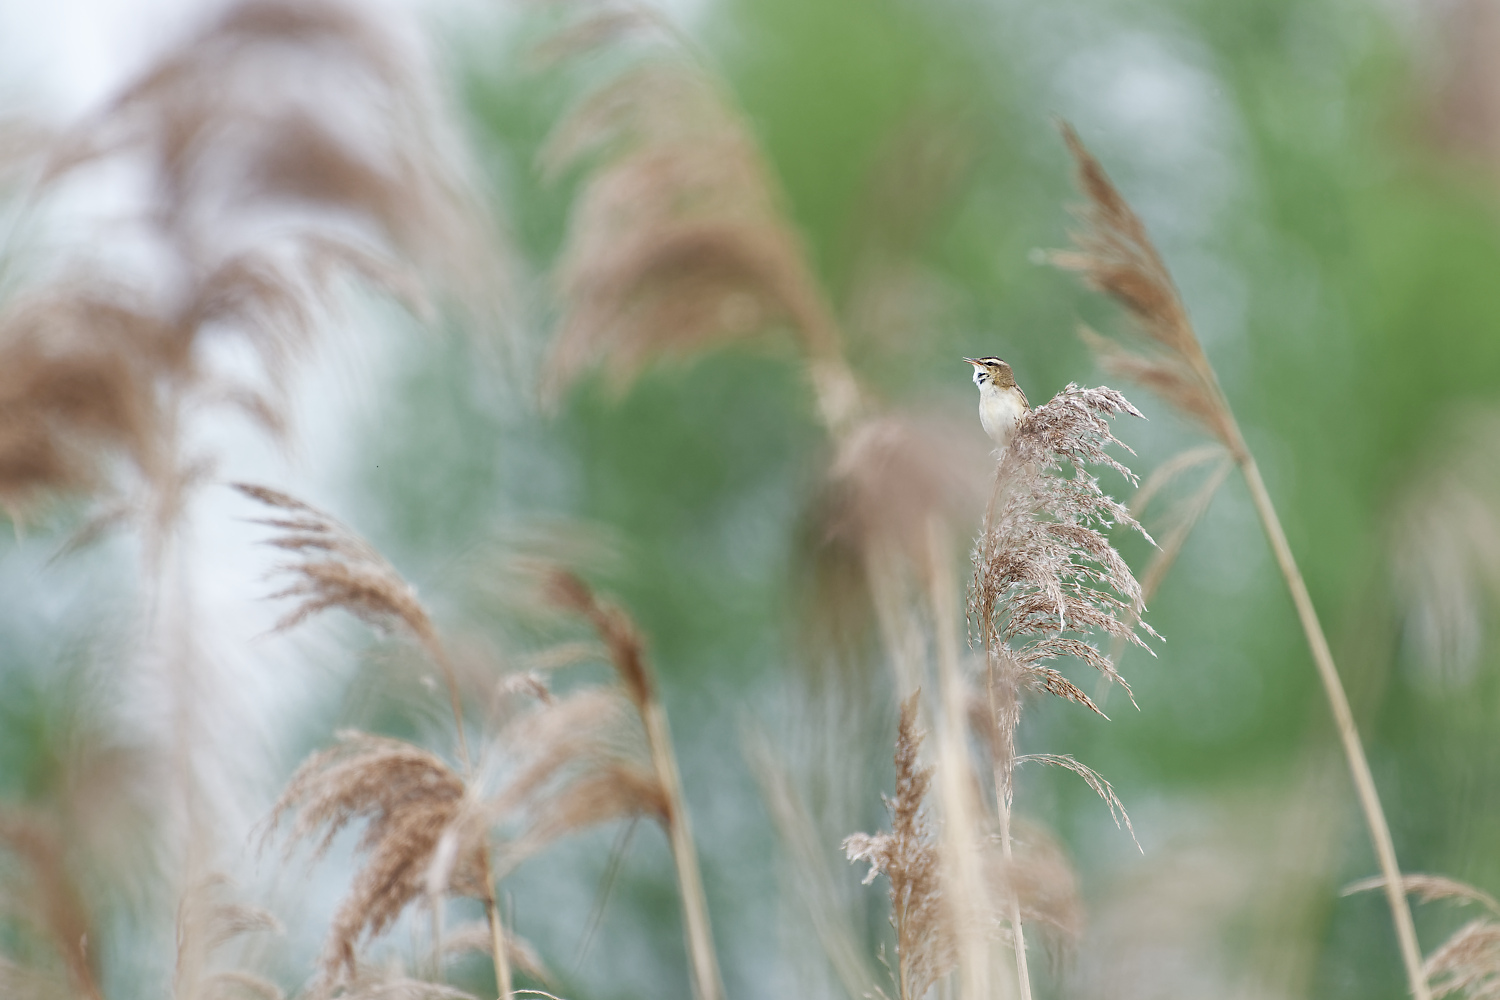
(1002, 404)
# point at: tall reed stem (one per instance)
(628, 655)
(497, 937)
(961, 808)
(1354, 751)
(707, 984)
(1004, 769)
(1116, 256)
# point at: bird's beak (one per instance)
(976, 364)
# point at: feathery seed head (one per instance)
(1115, 255)
(925, 941)
(408, 799)
(338, 569)
(1046, 577)
(678, 240)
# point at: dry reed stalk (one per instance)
(1116, 256)
(627, 653)
(926, 949)
(1046, 579)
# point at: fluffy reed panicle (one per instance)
(285, 146)
(678, 240)
(570, 762)
(1445, 542)
(207, 920)
(1116, 256)
(1046, 577)
(407, 797)
(907, 856)
(1468, 963)
(39, 890)
(336, 569)
(339, 569)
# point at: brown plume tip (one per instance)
(627, 648)
(1115, 255)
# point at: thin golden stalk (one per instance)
(497, 937)
(1003, 777)
(961, 810)
(707, 984)
(1343, 716)
(628, 654)
(1116, 256)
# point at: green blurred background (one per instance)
(1322, 178)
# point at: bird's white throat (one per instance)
(999, 411)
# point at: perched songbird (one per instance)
(1002, 404)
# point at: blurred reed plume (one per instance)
(41, 893)
(679, 239)
(926, 950)
(1445, 543)
(285, 146)
(408, 798)
(1116, 256)
(206, 922)
(560, 765)
(1468, 963)
(339, 569)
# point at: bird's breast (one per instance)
(999, 410)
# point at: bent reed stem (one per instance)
(707, 983)
(961, 808)
(1338, 700)
(627, 653)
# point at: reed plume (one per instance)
(207, 920)
(1115, 255)
(260, 196)
(560, 765)
(678, 240)
(41, 889)
(407, 798)
(1468, 963)
(339, 569)
(627, 653)
(1047, 580)
(926, 949)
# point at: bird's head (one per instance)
(992, 371)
